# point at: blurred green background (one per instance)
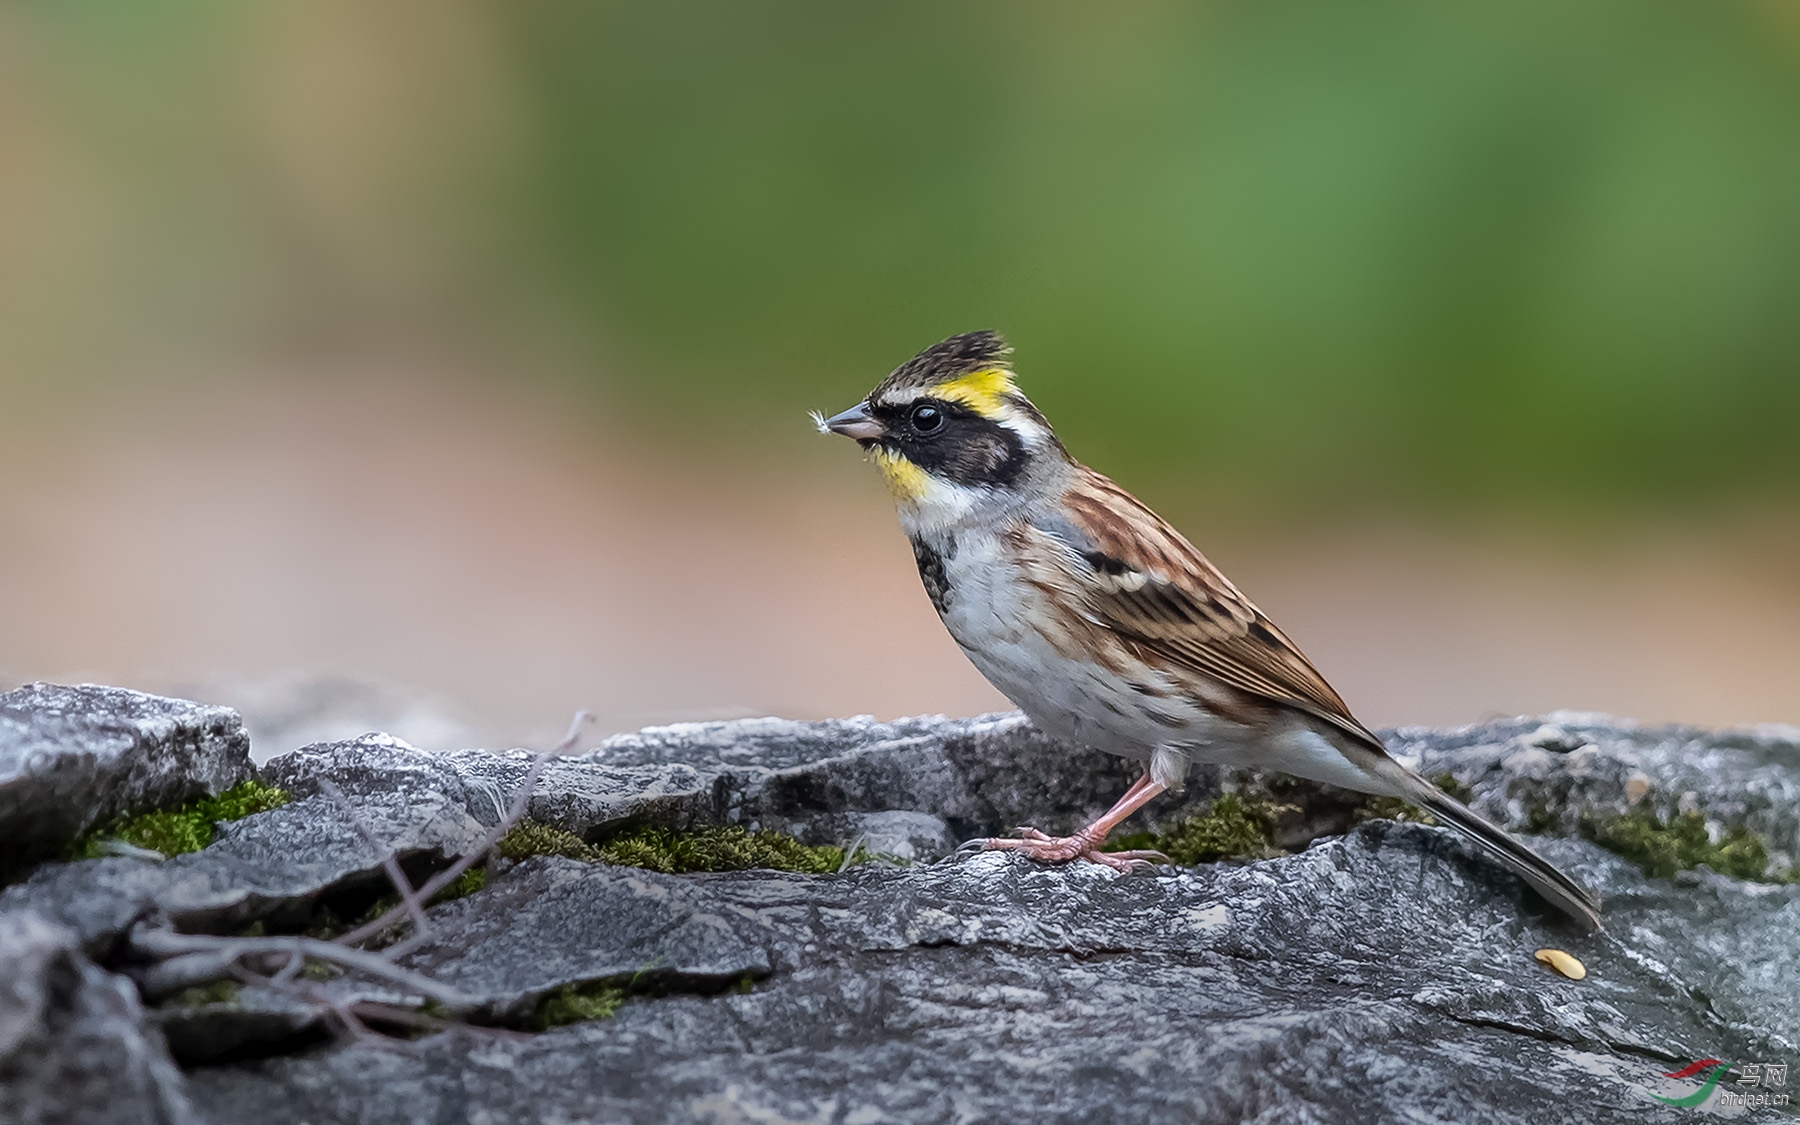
(1311, 255)
(1277, 265)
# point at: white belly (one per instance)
(993, 613)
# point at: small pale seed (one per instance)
(1562, 963)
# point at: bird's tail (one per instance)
(1562, 892)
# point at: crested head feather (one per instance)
(986, 447)
(973, 370)
(946, 362)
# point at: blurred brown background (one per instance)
(442, 366)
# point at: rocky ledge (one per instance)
(1330, 965)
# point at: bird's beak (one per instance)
(856, 423)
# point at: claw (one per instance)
(1081, 847)
(1026, 833)
(1148, 855)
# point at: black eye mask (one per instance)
(952, 442)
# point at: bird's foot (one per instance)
(1033, 844)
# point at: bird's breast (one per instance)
(1031, 642)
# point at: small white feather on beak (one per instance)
(818, 421)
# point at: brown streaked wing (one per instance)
(1188, 612)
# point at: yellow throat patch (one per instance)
(905, 480)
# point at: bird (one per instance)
(1102, 623)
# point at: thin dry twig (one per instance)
(856, 845)
(395, 1014)
(353, 1027)
(175, 948)
(319, 1002)
(183, 961)
(390, 863)
(520, 802)
(317, 995)
(581, 719)
(380, 925)
(296, 962)
(184, 971)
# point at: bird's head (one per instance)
(950, 430)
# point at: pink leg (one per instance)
(1085, 843)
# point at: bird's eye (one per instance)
(926, 418)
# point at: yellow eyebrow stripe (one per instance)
(982, 391)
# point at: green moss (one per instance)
(1540, 820)
(1448, 783)
(1394, 808)
(534, 837)
(218, 992)
(577, 1003)
(1391, 808)
(1234, 827)
(186, 829)
(466, 884)
(719, 848)
(1664, 846)
(713, 848)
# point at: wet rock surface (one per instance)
(1382, 971)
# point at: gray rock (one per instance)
(72, 758)
(74, 1047)
(254, 1023)
(911, 836)
(1382, 973)
(275, 867)
(1375, 976)
(812, 780)
(978, 775)
(552, 922)
(584, 793)
(1548, 775)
